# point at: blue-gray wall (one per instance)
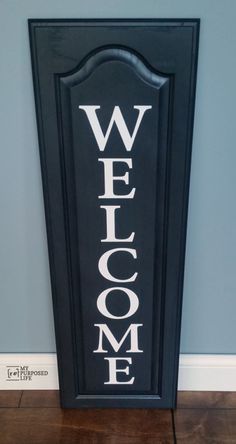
(209, 310)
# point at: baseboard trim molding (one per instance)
(207, 373)
(38, 371)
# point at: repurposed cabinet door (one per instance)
(115, 102)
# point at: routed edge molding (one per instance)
(38, 371)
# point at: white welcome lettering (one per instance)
(105, 330)
(103, 267)
(113, 370)
(110, 179)
(116, 118)
(133, 299)
(110, 225)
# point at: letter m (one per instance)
(132, 331)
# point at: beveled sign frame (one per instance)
(161, 58)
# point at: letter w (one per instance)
(104, 330)
(116, 118)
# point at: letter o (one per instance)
(101, 303)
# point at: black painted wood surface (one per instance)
(126, 69)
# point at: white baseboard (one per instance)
(38, 371)
(207, 372)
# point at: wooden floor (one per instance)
(35, 417)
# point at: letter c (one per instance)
(103, 268)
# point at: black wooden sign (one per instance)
(115, 104)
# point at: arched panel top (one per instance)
(105, 55)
